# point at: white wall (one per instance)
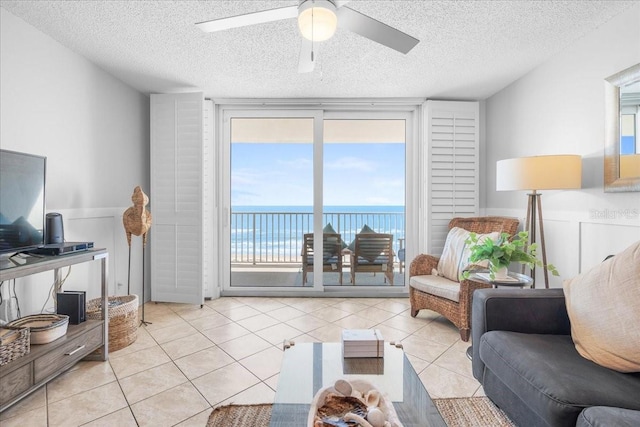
(558, 108)
(94, 131)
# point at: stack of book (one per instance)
(362, 343)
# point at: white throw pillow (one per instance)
(455, 256)
(604, 309)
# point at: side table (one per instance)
(522, 281)
(519, 280)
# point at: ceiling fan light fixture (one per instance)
(317, 20)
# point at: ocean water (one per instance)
(275, 233)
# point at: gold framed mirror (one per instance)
(622, 127)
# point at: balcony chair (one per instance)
(372, 253)
(331, 258)
(452, 299)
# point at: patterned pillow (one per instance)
(604, 309)
(455, 256)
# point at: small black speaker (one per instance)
(73, 304)
(54, 228)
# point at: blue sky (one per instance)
(264, 174)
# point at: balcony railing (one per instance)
(277, 237)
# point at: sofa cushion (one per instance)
(381, 260)
(603, 416)
(330, 260)
(604, 308)
(436, 285)
(551, 378)
(455, 256)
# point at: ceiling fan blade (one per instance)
(340, 3)
(308, 55)
(375, 30)
(249, 19)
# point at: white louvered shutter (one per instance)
(452, 165)
(209, 218)
(177, 238)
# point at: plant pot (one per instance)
(501, 273)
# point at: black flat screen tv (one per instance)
(22, 201)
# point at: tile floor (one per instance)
(191, 359)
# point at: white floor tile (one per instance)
(224, 383)
(198, 364)
(151, 382)
(258, 322)
(244, 346)
(264, 364)
(36, 400)
(278, 333)
(170, 407)
(259, 393)
(88, 406)
(193, 358)
(442, 383)
(32, 418)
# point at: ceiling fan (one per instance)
(317, 21)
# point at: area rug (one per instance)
(457, 412)
(471, 411)
(240, 416)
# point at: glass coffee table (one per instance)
(308, 367)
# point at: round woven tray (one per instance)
(123, 319)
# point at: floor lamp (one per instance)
(555, 172)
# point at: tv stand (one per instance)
(7, 261)
(44, 362)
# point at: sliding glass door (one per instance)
(271, 189)
(300, 186)
(363, 194)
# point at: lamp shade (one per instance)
(317, 20)
(554, 172)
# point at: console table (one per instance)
(44, 362)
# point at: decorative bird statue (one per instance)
(137, 219)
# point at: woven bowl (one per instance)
(44, 328)
(14, 343)
(360, 388)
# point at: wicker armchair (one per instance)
(458, 312)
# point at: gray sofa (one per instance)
(525, 359)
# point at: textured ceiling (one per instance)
(467, 49)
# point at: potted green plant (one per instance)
(503, 252)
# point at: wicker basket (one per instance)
(44, 328)
(14, 343)
(123, 319)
